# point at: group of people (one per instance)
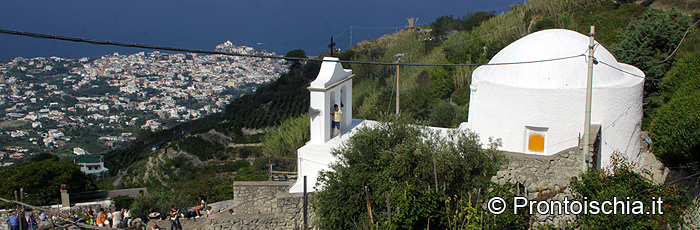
(33, 220)
(116, 218)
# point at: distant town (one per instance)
(91, 105)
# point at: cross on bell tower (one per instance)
(332, 45)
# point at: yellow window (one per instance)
(536, 142)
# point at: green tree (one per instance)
(443, 81)
(682, 78)
(418, 208)
(442, 25)
(161, 202)
(447, 115)
(675, 131)
(474, 19)
(652, 40)
(45, 156)
(620, 181)
(393, 156)
(297, 53)
(41, 180)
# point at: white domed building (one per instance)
(538, 108)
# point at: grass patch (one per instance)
(14, 124)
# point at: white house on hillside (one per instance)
(91, 164)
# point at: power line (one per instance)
(132, 45)
(155, 47)
(625, 71)
(681, 42)
(668, 183)
(380, 28)
(309, 160)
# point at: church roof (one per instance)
(566, 73)
(330, 74)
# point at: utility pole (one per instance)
(17, 209)
(306, 203)
(398, 67)
(332, 46)
(589, 89)
(21, 213)
(435, 173)
(351, 36)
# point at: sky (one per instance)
(273, 25)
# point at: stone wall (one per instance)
(278, 209)
(543, 178)
(251, 196)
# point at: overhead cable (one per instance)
(679, 43)
(622, 70)
(154, 47)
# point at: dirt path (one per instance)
(116, 182)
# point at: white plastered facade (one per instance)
(332, 86)
(512, 102)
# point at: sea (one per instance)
(273, 25)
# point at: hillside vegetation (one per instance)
(623, 29)
(663, 44)
(204, 156)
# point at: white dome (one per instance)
(566, 73)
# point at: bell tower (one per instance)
(333, 86)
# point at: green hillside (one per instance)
(205, 151)
(636, 35)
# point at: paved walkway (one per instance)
(659, 172)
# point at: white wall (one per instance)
(501, 111)
(85, 169)
(332, 85)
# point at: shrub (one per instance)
(201, 148)
(288, 137)
(122, 201)
(675, 131)
(447, 115)
(461, 96)
(683, 78)
(393, 156)
(620, 181)
(234, 165)
(160, 202)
